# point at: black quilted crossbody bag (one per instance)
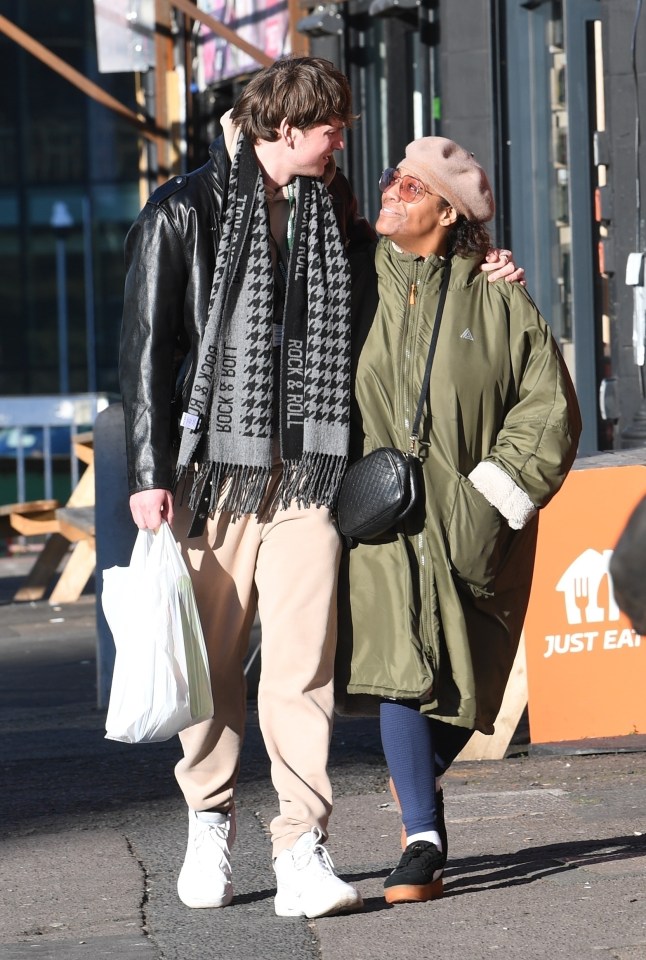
(381, 489)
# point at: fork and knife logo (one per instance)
(581, 584)
(586, 586)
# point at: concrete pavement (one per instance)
(547, 852)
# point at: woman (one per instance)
(435, 608)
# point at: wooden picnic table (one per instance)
(65, 526)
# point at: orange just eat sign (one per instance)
(586, 666)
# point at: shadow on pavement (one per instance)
(500, 871)
(536, 863)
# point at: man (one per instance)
(264, 350)
(237, 277)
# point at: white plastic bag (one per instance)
(160, 683)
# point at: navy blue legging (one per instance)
(417, 749)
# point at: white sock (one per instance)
(432, 836)
(211, 816)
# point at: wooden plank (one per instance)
(83, 493)
(84, 447)
(74, 533)
(32, 506)
(34, 524)
(513, 704)
(76, 573)
(46, 565)
(76, 523)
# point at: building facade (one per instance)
(548, 94)
(69, 186)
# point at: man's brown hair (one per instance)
(306, 91)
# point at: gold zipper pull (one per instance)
(412, 296)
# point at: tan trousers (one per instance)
(287, 566)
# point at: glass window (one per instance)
(60, 308)
(8, 111)
(12, 331)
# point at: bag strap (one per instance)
(414, 435)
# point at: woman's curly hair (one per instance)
(468, 238)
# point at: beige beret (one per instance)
(453, 173)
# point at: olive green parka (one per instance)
(434, 610)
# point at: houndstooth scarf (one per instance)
(230, 407)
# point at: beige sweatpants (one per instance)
(287, 567)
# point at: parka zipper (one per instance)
(424, 624)
(409, 343)
(425, 630)
(426, 615)
(407, 402)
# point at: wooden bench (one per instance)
(15, 515)
(37, 517)
(71, 524)
(76, 525)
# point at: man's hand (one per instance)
(150, 508)
(499, 264)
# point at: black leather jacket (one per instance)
(170, 258)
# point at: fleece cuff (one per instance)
(503, 494)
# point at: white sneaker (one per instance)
(307, 883)
(205, 877)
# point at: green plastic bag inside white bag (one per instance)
(160, 683)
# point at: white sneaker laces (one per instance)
(215, 835)
(316, 854)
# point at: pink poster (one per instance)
(264, 23)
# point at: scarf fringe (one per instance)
(314, 479)
(245, 491)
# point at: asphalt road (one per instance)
(548, 852)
